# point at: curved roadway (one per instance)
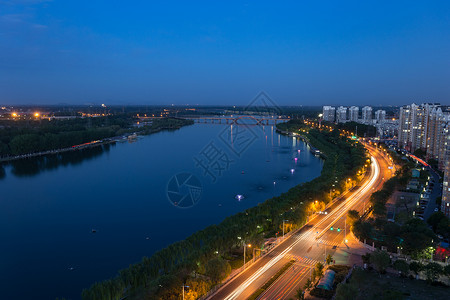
(307, 246)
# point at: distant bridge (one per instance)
(238, 120)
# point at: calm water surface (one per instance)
(48, 208)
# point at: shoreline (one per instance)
(92, 144)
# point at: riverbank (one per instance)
(161, 274)
(159, 125)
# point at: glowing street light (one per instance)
(245, 246)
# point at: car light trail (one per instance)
(337, 213)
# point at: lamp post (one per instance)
(245, 246)
(184, 286)
(345, 233)
(283, 226)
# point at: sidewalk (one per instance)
(350, 253)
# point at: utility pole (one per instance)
(345, 229)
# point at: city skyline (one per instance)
(80, 52)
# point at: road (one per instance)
(436, 192)
(308, 245)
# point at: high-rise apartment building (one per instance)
(444, 143)
(445, 204)
(404, 126)
(353, 113)
(435, 132)
(380, 116)
(329, 113)
(341, 114)
(413, 124)
(366, 114)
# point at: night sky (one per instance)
(210, 52)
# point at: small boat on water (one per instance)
(93, 230)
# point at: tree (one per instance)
(432, 271)
(346, 291)
(366, 258)
(416, 267)
(319, 269)
(401, 266)
(217, 269)
(381, 260)
(314, 275)
(300, 295)
(352, 217)
(435, 219)
(447, 270)
(329, 259)
(308, 284)
(362, 230)
(379, 209)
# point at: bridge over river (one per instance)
(239, 120)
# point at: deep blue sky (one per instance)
(161, 52)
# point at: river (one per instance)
(76, 218)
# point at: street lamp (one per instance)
(184, 286)
(245, 246)
(283, 226)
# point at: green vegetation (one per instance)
(217, 269)
(413, 237)
(25, 136)
(299, 294)
(185, 261)
(381, 260)
(369, 285)
(358, 128)
(341, 272)
(269, 282)
(440, 224)
(401, 266)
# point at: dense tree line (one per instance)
(359, 129)
(26, 136)
(161, 275)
